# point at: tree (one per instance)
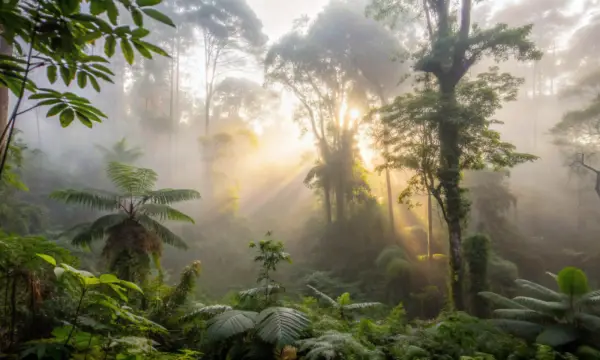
(55, 35)
(229, 30)
(121, 152)
(331, 74)
(131, 232)
(453, 123)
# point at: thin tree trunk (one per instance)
(327, 195)
(6, 50)
(390, 204)
(429, 228)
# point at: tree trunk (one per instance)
(390, 201)
(6, 50)
(429, 228)
(340, 203)
(327, 196)
(450, 181)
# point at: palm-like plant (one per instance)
(121, 152)
(131, 231)
(343, 304)
(565, 318)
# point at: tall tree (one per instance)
(454, 45)
(329, 65)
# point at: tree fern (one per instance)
(334, 345)
(136, 235)
(281, 326)
(230, 323)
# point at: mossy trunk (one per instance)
(477, 253)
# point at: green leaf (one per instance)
(83, 119)
(94, 82)
(81, 79)
(65, 74)
(97, 7)
(229, 324)
(56, 109)
(140, 32)
(68, 7)
(67, 117)
(572, 281)
(142, 3)
(112, 11)
(281, 326)
(131, 286)
(110, 46)
(127, 51)
(142, 50)
(108, 279)
(49, 259)
(51, 73)
(154, 48)
(90, 281)
(158, 16)
(557, 335)
(138, 18)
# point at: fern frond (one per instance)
(501, 301)
(539, 291)
(336, 345)
(91, 198)
(98, 229)
(361, 306)
(164, 234)
(261, 290)
(130, 179)
(324, 296)
(230, 323)
(170, 196)
(281, 326)
(202, 311)
(164, 212)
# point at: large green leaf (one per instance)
(523, 329)
(558, 335)
(91, 198)
(164, 212)
(324, 296)
(281, 326)
(169, 196)
(539, 291)
(230, 323)
(501, 301)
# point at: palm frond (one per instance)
(324, 296)
(163, 233)
(164, 212)
(522, 314)
(362, 306)
(501, 301)
(281, 326)
(589, 321)
(539, 291)
(201, 311)
(91, 198)
(98, 229)
(131, 179)
(230, 323)
(523, 329)
(261, 290)
(169, 196)
(547, 307)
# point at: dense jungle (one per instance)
(299, 179)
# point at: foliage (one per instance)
(563, 319)
(477, 251)
(131, 232)
(120, 152)
(58, 35)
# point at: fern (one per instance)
(335, 345)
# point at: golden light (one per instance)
(354, 114)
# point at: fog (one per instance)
(255, 178)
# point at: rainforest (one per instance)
(299, 179)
